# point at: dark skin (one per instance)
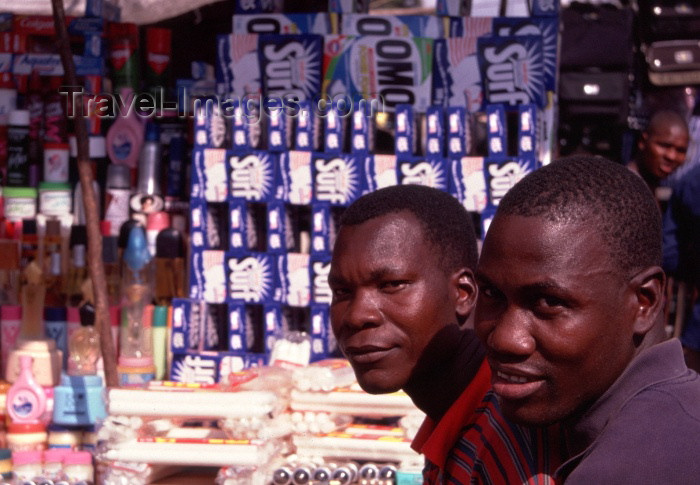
(559, 319)
(397, 313)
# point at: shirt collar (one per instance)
(435, 440)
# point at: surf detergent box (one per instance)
(208, 275)
(467, 182)
(291, 66)
(289, 23)
(422, 171)
(252, 176)
(215, 329)
(295, 171)
(209, 180)
(405, 138)
(392, 25)
(278, 228)
(323, 343)
(247, 328)
(247, 226)
(362, 132)
(320, 267)
(308, 128)
(527, 130)
(496, 135)
(334, 131)
(237, 66)
(502, 174)
(337, 179)
(210, 125)
(380, 171)
(252, 278)
(209, 225)
(512, 70)
(187, 323)
(457, 131)
(435, 132)
(323, 228)
(294, 276)
(392, 69)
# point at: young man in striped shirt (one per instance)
(402, 277)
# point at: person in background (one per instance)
(681, 253)
(570, 311)
(662, 149)
(403, 293)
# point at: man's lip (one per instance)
(367, 354)
(515, 384)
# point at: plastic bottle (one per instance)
(26, 437)
(158, 51)
(160, 341)
(110, 259)
(34, 103)
(56, 328)
(117, 194)
(125, 136)
(97, 153)
(18, 148)
(54, 116)
(56, 157)
(77, 272)
(148, 198)
(155, 223)
(84, 345)
(137, 292)
(10, 326)
(78, 467)
(27, 465)
(26, 399)
(170, 266)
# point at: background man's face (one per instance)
(390, 297)
(664, 150)
(554, 314)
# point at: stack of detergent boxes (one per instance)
(271, 172)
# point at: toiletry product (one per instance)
(84, 345)
(18, 148)
(148, 197)
(26, 399)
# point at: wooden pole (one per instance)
(92, 218)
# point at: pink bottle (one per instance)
(125, 137)
(26, 399)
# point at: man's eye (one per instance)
(489, 292)
(339, 293)
(395, 285)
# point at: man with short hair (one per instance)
(662, 149)
(403, 291)
(570, 312)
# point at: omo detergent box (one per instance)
(394, 70)
(467, 182)
(393, 25)
(502, 174)
(288, 23)
(252, 176)
(337, 179)
(422, 171)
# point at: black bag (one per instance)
(596, 36)
(594, 93)
(669, 19)
(673, 62)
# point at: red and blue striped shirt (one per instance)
(474, 444)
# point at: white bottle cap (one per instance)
(19, 117)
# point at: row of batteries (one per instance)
(342, 474)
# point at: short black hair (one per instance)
(583, 188)
(665, 117)
(446, 223)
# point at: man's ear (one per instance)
(649, 286)
(466, 291)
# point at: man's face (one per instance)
(554, 314)
(390, 297)
(664, 150)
